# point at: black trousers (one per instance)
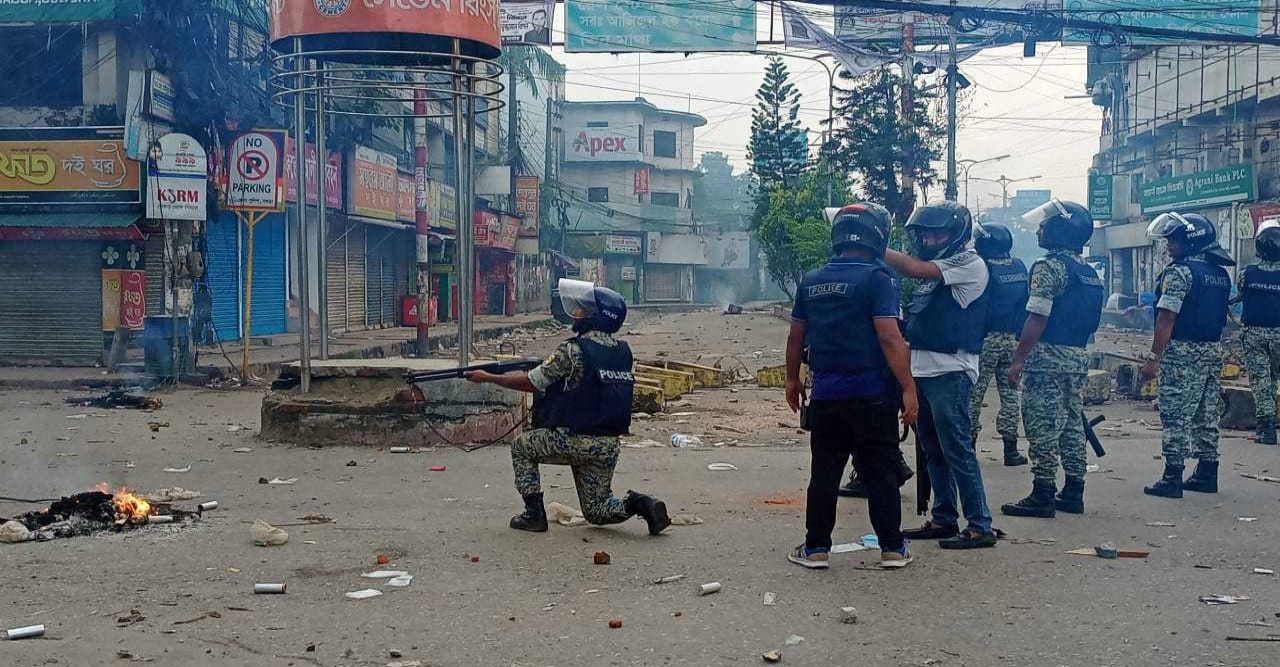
(867, 428)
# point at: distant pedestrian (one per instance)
(946, 322)
(1260, 291)
(1191, 312)
(846, 316)
(1064, 309)
(1006, 312)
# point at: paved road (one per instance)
(486, 595)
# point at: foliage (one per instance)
(779, 147)
(721, 198)
(792, 230)
(533, 65)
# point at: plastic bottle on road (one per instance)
(682, 440)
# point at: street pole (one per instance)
(952, 91)
(908, 105)
(826, 141)
(421, 217)
(322, 165)
(304, 283)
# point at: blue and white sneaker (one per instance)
(894, 560)
(814, 559)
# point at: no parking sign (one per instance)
(256, 179)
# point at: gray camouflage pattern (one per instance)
(1189, 393)
(997, 355)
(1048, 281)
(592, 458)
(1261, 363)
(1052, 409)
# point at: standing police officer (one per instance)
(582, 403)
(846, 315)
(1191, 311)
(946, 322)
(1064, 310)
(1006, 312)
(1260, 291)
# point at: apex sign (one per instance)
(602, 144)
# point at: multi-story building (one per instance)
(1186, 128)
(626, 178)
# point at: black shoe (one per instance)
(1011, 455)
(1039, 504)
(654, 512)
(534, 517)
(904, 471)
(856, 488)
(1071, 499)
(1204, 479)
(1169, 486)
(1266, 431)
(930, 531)
(970, 540)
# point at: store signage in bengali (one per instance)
(471, 20)
(622, 245)
(601, 144)
(1242, 18)
(1101, 196)
(508, 232)
(528, 200)
(527, 21)
(646, 27)
(1203, 189)
(374, 187)
(124, 299)
(868, 24)
(332, 175)
(50, 11)
(161, 96)
(628, 273)
(486, 227)
(178, 180)
(443, 205)
(406, 191)
(67, 166)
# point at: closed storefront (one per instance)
(386, 276)
(664, 282)
(270, 245)
(51, 303)
(222, 266)
(347, 266)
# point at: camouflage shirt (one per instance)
(1175, 285)
(566, 363)
(1048, 282)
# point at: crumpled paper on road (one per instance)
(565, 515)
(172, 495)
(13, 532)
(267, 535)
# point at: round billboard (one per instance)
(388, 27)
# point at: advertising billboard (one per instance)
(601, 144)
(678, 26)
(385, 22)
(67, 166)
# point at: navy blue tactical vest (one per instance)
(936, 322)
(1077, 312)
(1009, 289)
(601, 404)
(1261, 298)
(839, 331)
(1204, 311)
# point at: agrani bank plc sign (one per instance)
(601, 144)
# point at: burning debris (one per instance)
(119, 398)
(97, 510)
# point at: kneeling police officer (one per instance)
(582, 403)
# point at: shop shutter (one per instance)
(269, 302)
(395, 276)
(377, 240)
(662, 282)
(51, 303)
(356, 278)
(153, 261)
(223, 268)
(336, 273)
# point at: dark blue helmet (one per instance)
(588, 307)
(864, 225)
(1193, 231)
(992, 240)
(945, 216)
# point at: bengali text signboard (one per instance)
(672, 26)
(1203, 189)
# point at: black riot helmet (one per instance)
(1267, 242)
(1193, 233)
(943, 216)
(862, 225)
(992, 240)
(1063, 225)
(590, 308)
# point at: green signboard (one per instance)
(1202, 189)
(1101, 196)
(1232, 17)
(613, 26)
(47, 11)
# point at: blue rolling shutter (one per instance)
(222, 266)
(269, 302)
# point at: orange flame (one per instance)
(129, 505)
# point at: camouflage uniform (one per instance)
(1053, 383)
(1262, 359)
(592, 458)
(997, 355)
(1190, 387)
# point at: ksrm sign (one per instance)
(177, 179)
(602, 144)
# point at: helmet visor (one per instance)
(1045, 212)
(930, 217)
(1166, 224)
(577, 294)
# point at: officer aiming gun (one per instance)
(497, 368)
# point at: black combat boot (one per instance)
(1169, 486)
(1039, 504)
(1071, 500)
(534, 517)
(1204, 479)
(1266, 431)
(1011, 455)
(654, 512)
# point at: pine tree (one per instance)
(779, 148)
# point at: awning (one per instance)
(378, 222)
(70, 227)
(562, 259)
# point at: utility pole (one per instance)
(421, 216)
(908, 106)
(513, 143)
(952, 191)
(969, 164)
(1005, 182)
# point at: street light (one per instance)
(1005, 182)
(969, 164)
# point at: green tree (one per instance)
(876, 143)
(779, 147)
(721, 199)
(792, 230)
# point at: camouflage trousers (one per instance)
(1190, 389)
(592, 458)
(997, 355)
(1052, 414)
(1261, 362)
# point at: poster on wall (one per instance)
(729, 251)
(527, 203)
(526, 21)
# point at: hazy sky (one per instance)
(1017, 106)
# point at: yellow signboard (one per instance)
(58, 170)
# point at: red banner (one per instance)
(474, 20)
(642, 180)
(487, 227)
(527, 203)
(129, 233)
(406, 202)
(332, 176)
(124, 299)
